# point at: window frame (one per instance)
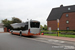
(33, 26)
(67, 21)
(67, 15)
(67, 28)
(69, 8)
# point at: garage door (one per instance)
(1, 29)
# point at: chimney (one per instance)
(61, 5)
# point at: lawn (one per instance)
(61, 35)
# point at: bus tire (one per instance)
(12, 32)
(20, 33)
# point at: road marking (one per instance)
(57, 41)
(59, 44)
(51, 41)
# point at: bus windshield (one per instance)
(34, 24)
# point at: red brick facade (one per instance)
(62, 24)
(5, 29)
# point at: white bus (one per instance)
(29, 28)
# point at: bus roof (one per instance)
(34, 21)
(17, 25)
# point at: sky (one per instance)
(30, 9)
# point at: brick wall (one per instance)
(62, 24)
(52, 24)
(5, 29)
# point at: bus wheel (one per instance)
(12, 32)
(20, 33)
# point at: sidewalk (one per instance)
(59, 38)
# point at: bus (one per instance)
(29, 28)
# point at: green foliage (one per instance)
(62, 32)
(7, 22)
(45, 31)
(49, 31)
(43, 27)
(61, 35)
(16, 20)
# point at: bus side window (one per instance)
(26, 26)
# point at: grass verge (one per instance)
(61, 35)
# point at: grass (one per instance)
(57, 31)
(61, 35)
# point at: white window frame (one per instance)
(69, 8)
(67, 21)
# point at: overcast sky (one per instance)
(30, 9)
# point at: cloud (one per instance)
(30, 9)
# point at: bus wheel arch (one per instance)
(20, 33)
(11, 32)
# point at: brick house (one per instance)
(66, 16)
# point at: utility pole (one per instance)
(58, 27)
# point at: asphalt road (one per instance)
(15, 42)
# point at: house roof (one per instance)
(56, 13)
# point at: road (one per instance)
(15, 42)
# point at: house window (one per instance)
(69, 8)
(67, 28)
(66, 15)
(67, 21)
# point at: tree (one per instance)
(41, 27)
(7, 23)
(45, 27)
(16, 20)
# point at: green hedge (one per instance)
(66, 31)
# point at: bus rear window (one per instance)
(35, 24)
